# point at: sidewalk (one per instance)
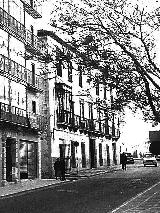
(28, 185)
(145, 202)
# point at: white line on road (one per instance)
(125, 203)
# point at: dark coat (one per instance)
(123, 158)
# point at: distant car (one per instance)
(149, 159)
(158, 157)
(129, 158)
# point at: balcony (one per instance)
(15, 28)
(64, 118)
(99, 127)
(19, 73)
(76, 121)
(11, 25)
(37, 122)
(115, 134)
(31, 8)
(35, 82)
(83, 124)
(33, 43)
(19, 117)
(91, 125)
(13, 115)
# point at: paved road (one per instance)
(91, 195)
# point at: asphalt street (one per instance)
(98, 194)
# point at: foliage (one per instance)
(117, 37)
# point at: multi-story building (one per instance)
(21, 91)
(83, 124)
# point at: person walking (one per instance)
(123, 161)
(62, 168)
(57, 168)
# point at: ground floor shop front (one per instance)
(19, 155)
(82, 151)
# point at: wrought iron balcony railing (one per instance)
(19, 73)
(11, 25)
(33, 43)
(64, 117)
(116, 133)
(20, 117)
(31, 8)
(18, 30)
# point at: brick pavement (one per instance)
(145, 202)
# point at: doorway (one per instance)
(73, 155)
(114, 153)
(28, 160)
(108, 155)
(10, 157)
(93, 153)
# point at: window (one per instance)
(32, 35)
(82, 109)
(33, 74)
(70, 71)
(18, 99)
(105, 93)
(80, 75)
(31, 2)
(90, 111)
(97, 88)
(4, 93)
(59, 68)
(33, 106)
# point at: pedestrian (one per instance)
(123, 161)
(62, 168)
(57, 168)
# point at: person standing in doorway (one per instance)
(123, 161)
(62, 168)
(57, 168)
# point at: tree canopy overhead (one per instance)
(119, 38)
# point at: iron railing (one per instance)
(83, 124)
(19, 73)
(18, 30)
(31, 8)
(18, 116)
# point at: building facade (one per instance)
(21, 92)
(49, 108)
(84, 126)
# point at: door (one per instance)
(93, 154)
(62, 148)
(83, 155)
(100, 155)
(108, 155)
(73, 157)
(10, 157)
(114, 153)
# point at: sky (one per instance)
(135, 132)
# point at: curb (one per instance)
(77, 178)
(26, 191)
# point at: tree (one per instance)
(117, 37)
